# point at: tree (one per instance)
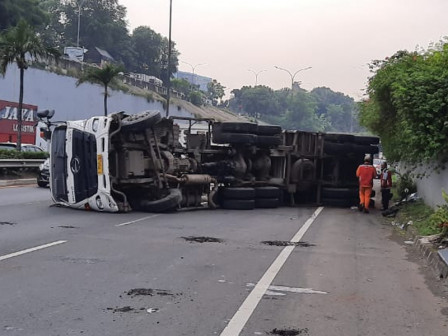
(16, 44)
(148, 48)
(105, 76)
(11, 11)
(215, 91)
(407, 105)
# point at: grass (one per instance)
(419, 213)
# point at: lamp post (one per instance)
(168, 87)
(292, 75)
(80, 3)
(256, 75)
(193, 68)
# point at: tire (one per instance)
(335, 148)
(238, 127)
(339, 202)
(238, 204)
(267, 192)
(42, 184)
(269, 130)
(302, 171)
(234, 138)
(366, 140)
(339, 137)
(141, 121)
(364, 149)
(269, 140)
(236, 193)
(169, 202)
(267, 203)
(339, 193)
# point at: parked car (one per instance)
(377, 164)
(43, 179)
(25, 147)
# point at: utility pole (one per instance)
(169, 65)
(292, 75)
(193, 67)
(256, 75)
(80, 3)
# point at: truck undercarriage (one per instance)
(149, 163)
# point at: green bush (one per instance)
(405, 182)
(14, 154)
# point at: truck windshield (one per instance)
(59, 165)
(83, 165)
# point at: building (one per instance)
(194, 79)
(98, 56)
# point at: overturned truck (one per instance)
(148, 163)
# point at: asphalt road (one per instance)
(68, 272)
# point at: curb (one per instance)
(433, 257)
(18, 182)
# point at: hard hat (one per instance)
(367, 158)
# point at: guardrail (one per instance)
(21, 163)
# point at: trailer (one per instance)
(148, 163)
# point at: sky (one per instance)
(232, 40)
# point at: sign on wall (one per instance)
(9, 123)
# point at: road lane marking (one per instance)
(243, 314)
(273, 290)
(15, 254)
(137, 220)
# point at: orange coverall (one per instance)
(366, 173)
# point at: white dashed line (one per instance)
(243, 314)
(137, 220)
(15, 254)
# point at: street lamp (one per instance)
(169, 65)
(193, 67)
(292, 75)
(80, 3)
(256, 74)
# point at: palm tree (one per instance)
(106, 75)
(20, 44)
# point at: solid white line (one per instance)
(243, 314)
(15, 254)
(137, 220)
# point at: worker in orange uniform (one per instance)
(366, 173)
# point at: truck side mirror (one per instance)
(45, 114)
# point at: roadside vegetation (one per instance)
(320, 110)
(15, 154)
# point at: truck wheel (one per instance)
(364, 149)
(267, 192)
(339, 137)
(366, 140)
(238, 127)
(267, 203)
(141, 121)
(335, 148)
(169, 202)
(234, 138)
(269, 140)
(238, 204)
(236, 193)
(269, 130)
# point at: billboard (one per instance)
(9, 123)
